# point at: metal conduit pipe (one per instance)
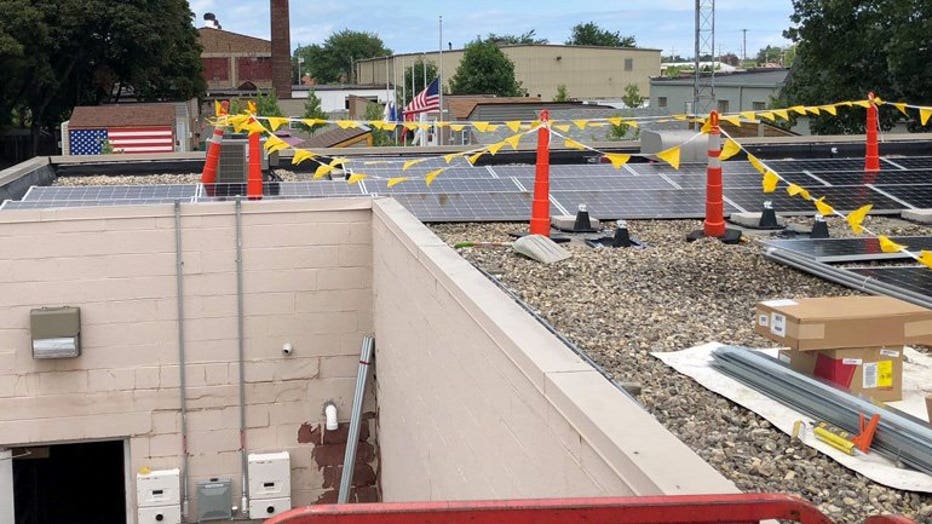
(244, 463)
(352, 438)
(182, 375)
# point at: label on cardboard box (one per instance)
(870, 375)
(763, 320)
(885, 374)
(852, 361)
(889, 353)
(778, 324)
(780, 302)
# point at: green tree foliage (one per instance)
(267, 104)
(633, 96)
(846, 48)
(312, 109)
(527, 38)
(591, 34)
(562, 94)
(414, 78)
(333, 61)
(770, 55)
(484, 69)
(58, 54)
(380, 138)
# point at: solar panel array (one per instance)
(503, 193)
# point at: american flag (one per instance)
(426, 100)
(122, 140)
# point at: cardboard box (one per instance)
(810, 324)
(873, 373)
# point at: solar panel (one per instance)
(51, 204)
(847, 249)
(106, 193)
(917, 195)
(915, 162)
(663, 203)
(513, 170)
(913, 279)
(444, 185)
(816, 164)
(888, 177)
(394, 162)
(661, 168)
(318, 188)
(419, 171)
(601, 183)
(469, 207)
(842, 198)
(585, 170)
(737, 180)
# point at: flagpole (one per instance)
(440, 85)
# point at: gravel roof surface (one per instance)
(619, 305)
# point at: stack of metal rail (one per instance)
(899, 437)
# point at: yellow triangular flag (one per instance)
(844, 104)
(749, 115)
(396, 180)
(561, 127)
(409, 163)
(855, 217)
(482, 127)
(423, 126)
(275, 122)
(734, 120)
(730, 149)
(473, 158)
(449, 158)
(924, 114)
(410, 126)
(617, 159)
(389, 126)
(493, 148)
(429, 177)
(901, 106)
(794, 190)
(457, 127)
(889, 246)
(300, 155)
(782, 113)
(680, 117)
(863, 103)
(514, 125)
(877, 101)
(706, 127)
(322, 171)
(824, 209)
(756, 163)
(338, 162)
(251, 107)
(830, 109)
(766, 114)
(346, 124)
(572, 144)
(581, 124)
(814, 110)
(770, 181)
(355, 178)
(615, 120)
(800, 110)
(273, 144)
(311, 122)
(254, 127)
(239, 122)
(513, 141)
(925, 258)
(670, 156)
(218, 108)
(441, 124)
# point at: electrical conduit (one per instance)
(182, 375)
(244, 464)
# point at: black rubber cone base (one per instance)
(557, 239)
(731, 236)
(819, 230)
(768, 220)
(583, 224)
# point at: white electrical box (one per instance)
(269, 475)
(158, 488)
(265, 508)
(160, 515)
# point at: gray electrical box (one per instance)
(214, 499)
(56, 332)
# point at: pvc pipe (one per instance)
(244, 464)
(330, 412)
(352, 438)
(182, 375)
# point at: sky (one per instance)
(414, 25)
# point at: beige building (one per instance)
(589, 73)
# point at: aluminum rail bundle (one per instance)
(898, 437)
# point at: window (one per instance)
(629, 64)
(661, 101)
(758, 106)
(723, 106)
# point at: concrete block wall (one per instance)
(307, 279)
(478, 401)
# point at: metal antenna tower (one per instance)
(704, 86)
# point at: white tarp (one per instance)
(695, 363)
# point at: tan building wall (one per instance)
(587, 72)
(307, 279)
(477, 400)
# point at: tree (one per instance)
(529, 37)
(633, 96)
(591, 34)
(484, 69)
(380, 138)
(562, 94)
(334, 60)
(846, 48)
(312, 110)
(414, 78)
(730, 59)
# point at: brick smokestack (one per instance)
(281, 49)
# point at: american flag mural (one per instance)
(122, 140)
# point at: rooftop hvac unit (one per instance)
(214, 499)
(233, 168)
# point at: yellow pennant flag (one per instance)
(409, 163)
(457, 127)
(449, 158)
(423, 126)
(766, 114)
(389, 126)
(251, 107)
(513, 141)
(830, 109)
(814, 110)
(239, 122)
(396, 180)
(730, 149)
(411, 126)
(824, 209)
(561, 127)
(311, 122)
(670, 156)
(473, 158)
(254, 127)
(782, 113)
(300, 155)
(276, 121)
(863, 103)
(855, 217)
(901, 106)
(346, 124)
(429, 177)
(356, 178)
(338, 162)
(218, 108)
(617, 159)
(799, 110)
(924, 114)
(794, 190)
(680, 117)
(273, 144)
(770, 181)
(581, 124)
(889, 246)
(734, 120)
(572, 144)
(756, 163)
(925, 258)
(442, 123)
(615, 120)
(845, 104)
(322, 171)
(482, 127)
(706, 127)
(514, 125)
(494, 148)
(748, 115)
